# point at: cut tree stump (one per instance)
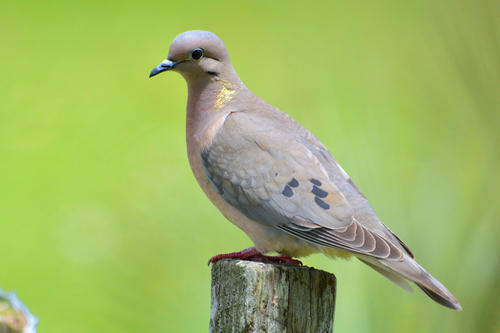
(251, 296)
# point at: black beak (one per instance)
(166, 65)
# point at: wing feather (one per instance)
(277, 179)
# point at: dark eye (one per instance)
(197, 54)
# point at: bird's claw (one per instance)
(253, 254)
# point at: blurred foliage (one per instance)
(104, 228)
(14, 315)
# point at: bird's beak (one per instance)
(166, 65)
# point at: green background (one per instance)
(103, 227)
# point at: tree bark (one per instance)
(251, 296)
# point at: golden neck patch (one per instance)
(223, 97)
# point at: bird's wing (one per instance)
(265, 170)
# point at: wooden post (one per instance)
(251, 296)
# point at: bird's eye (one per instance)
(197, 54)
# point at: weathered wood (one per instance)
(250, 296)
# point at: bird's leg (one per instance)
(245, 254)
(254, 255)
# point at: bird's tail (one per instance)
(447, 300)
(408, 269)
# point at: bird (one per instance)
(275, 180)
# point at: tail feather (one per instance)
(409, 269)
(449, 303)
(393, 276)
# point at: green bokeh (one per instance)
(104, 229)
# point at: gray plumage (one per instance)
(274, 179)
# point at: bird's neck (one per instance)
(212, 94)
(208, 104)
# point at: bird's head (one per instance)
(197, 55)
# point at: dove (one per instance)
(274, 179)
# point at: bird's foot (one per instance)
(253, 254)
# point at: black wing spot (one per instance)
(319, 192)
(204, 157)
(315, 182)
(321, 203)
(293, 182)
(287, 192)
(213, 73)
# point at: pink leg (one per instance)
(252, 254)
